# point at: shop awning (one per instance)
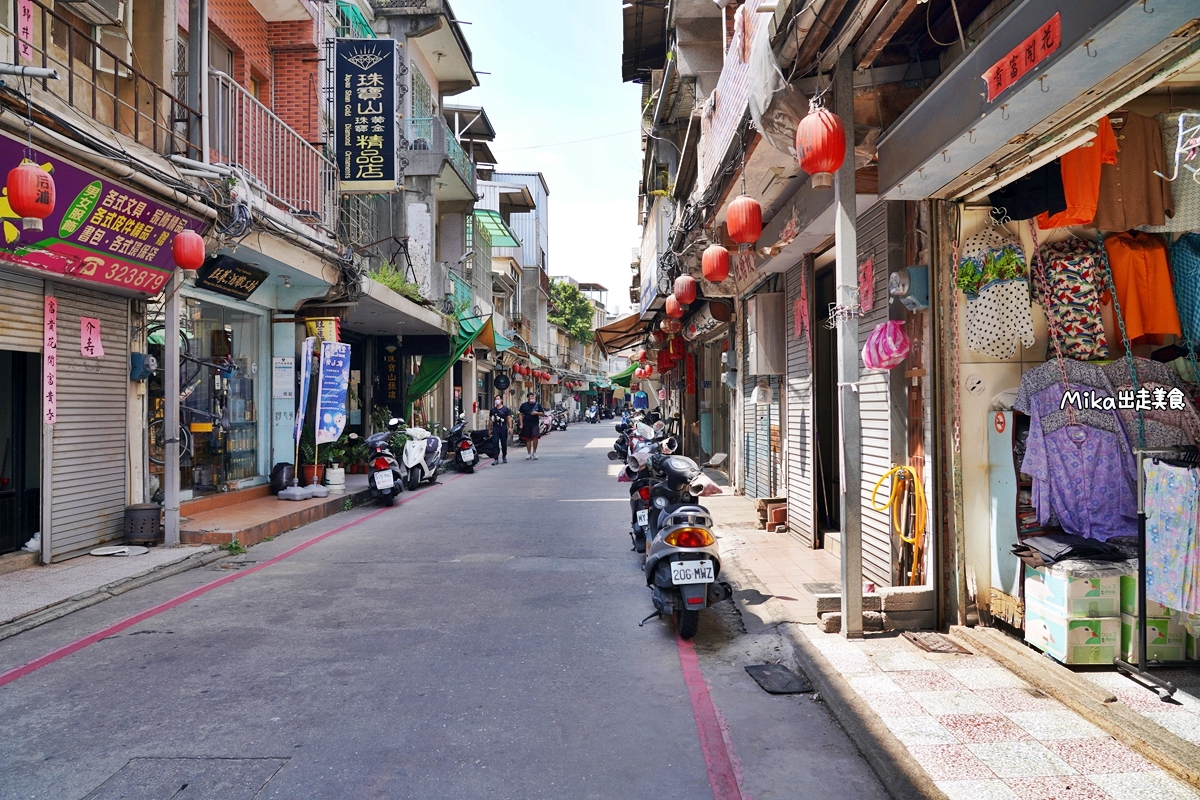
(502, 235)
(434, 368)
(625, 376)
(625, 332)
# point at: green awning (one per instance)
(358, 25)
(434, 368)
(502, 235)
(625, 376)
(503, 343)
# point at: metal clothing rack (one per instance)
(1186, 456)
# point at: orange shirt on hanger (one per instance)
(1081, 179)
(1142, 278)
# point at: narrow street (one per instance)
(478, 640)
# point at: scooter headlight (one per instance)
(689, 537)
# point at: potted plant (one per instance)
(334, 453)
(312, 473)
(357, 453)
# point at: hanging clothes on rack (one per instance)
(1172, 505)
(1041, 191)
(1185, 265)
(1074, 282)
(1079, 457)
(992, 274)
(1185, 192)
(1081, 179)
(1131, 194)
(1142, 280)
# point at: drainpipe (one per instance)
(197, 73)
(846, 271)
(804, 22)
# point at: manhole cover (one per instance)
(778, 679)
(183, 778)
(932, 642)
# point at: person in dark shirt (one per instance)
(500, 417)
(530, 411)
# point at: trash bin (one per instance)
(143, 524)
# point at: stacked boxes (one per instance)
(1166, 641)
(1072, 617)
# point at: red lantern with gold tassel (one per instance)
(664, 361)
(670, 326)
(820, 145)
(657, 338)
(685, 290)
(744, 221)
(674, 310)
(677, 348)
(715, 263)
(30, 194)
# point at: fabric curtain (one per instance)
(434, 368)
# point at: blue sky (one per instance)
(556, 77)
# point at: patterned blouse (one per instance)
(1075, 277)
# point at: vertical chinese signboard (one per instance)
(50, 361)
(1036, 48)
(365, 114)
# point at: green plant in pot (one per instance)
(312, 473)
(334, 453)
(357, 453)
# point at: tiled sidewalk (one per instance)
(983, 734)
(1180, 715)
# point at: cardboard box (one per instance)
(1061, 593)
(1129, 600)
(1072, 640)
(1165, 640)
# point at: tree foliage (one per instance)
(571, 311)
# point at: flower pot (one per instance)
(335, 479)
(312, 473)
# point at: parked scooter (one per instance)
(486, 445)
(593, 414)
(383, 471)
(683, 562)
(558, 418)
(422, 459)
(459, 449)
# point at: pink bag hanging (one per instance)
(887, 345)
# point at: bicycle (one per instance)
(156, 431)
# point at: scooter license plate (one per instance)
(384, 480)
(643, 517)
(684, 572)
(468, 457)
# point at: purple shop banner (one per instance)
(100, 231)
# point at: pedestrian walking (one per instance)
(531, 411)
(500, 418)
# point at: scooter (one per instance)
(383, 476)
(485, 443)
(683, 563)
(422, 458)
(593, 416)
(459, 448)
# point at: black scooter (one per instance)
(383, 470)
(460, 448)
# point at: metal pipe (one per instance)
(197, 72)
(171, 413)
(29, 72)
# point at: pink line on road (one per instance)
(724, 771)
(77, 645)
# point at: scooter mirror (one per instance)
(717, 459)
(394, 423)
(670, 445)
(613, 455)
(352, 436)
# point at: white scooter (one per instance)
(422, 458)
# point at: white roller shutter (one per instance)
(89, 469)
(21, 324)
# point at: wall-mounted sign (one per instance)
(100, 232)
(230, 277)
(50, 361)
(1004, 74)
(325, 329)
(90, 345)
(366, 108)
(283, 378)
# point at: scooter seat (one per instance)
(684, 514)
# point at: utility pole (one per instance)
(171, 411)
(846, 271)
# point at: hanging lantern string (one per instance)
(28, 89)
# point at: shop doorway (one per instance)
(828, 488)
(20, 451)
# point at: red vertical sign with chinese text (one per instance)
(50, 361)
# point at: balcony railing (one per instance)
(430, 133)
(292, 174)
(99, 83)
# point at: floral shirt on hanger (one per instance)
(1070, 290)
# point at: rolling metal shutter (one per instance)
(800, 477)
(21, 324)
(761, 465)
(875, 403)
(89, 470)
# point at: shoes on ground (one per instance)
(494, 463)
(535, 457)
(506, 459)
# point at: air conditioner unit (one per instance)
(98, 12)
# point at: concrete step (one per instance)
(259, 518)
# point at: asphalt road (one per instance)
(478, 641)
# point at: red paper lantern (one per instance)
(187, 248)
(685, 290)
(664, 361)
(744, 221)
(30, 194)
(670, 326)
(820, 145)
(677, 348)
(674, 310)
(657, 338)
(715, 263)
(643, 356)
